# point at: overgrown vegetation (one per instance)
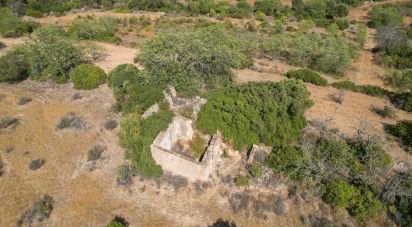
(403, 131)
(346, 170)
(385, 15)
(125, 72)
(198, 145)
(307, 75)
(188, 60)
(118, 221)
(137, 134)
(87, 76)
(400, 80)
(269, 113)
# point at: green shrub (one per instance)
(189, 59)
(122, 73)
(385, 15)
(342, 24)
(13, 26)
(87, 77)
(361, 34)
(13, 67)
(403, 131)
(338, 193)
(307, 75)
(118, 222)
(267, 112)
(51, 55)
(371, 90)
(242, 181)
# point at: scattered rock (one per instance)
(36, 164)
(153, 109)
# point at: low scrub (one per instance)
(7, 122)
(329, 54)
(307, 75)
(13, 67)
(71, 120)
(242, 113)
(36, 164)
(95, 153)
(385, 112)
(400, 80)
(365, 89)
(198, 145)
(135, 98)
(124, 175)
(385, 15)
(40, 211)
(23, 100)
(87, 77)
(242, 181)
(403, 131)
(118, 221)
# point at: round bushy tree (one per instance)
(86, 76)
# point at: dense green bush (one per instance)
(290, 160)
(137, 134)
(87, 76)
(338, 193)
(307, 75)
(330, 54)
(403, 131)
(51, 55)
(13, 26)
(385, 15)
(270, 113)
(320, 9)
(102, 29)
(13, 67)
(271, 8)
(190, 59)
(137, 98)
(122, 73)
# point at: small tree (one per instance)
(361, 34)
(338, 193)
